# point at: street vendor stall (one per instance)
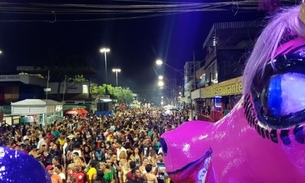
(37, 110)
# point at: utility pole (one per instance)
(105, 67)
(90, 88)
(194, 71)
(105, 51)
(64, 90)
(48, 80)
(116, 71)
(194, 84)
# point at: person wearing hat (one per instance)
(54, 177)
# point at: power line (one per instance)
(118, 12)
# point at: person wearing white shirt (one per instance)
(42, 141)
(119, 149)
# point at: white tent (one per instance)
(46, 110)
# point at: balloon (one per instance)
(19, 167)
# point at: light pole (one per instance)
(116, 70)
(105, 51)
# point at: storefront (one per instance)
(11, 119)
(221, 96)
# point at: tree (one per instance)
(102, 89)
(122, 95)
(78, 78)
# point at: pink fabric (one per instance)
(239, 153)
(290, 45)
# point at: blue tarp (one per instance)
(104, 113)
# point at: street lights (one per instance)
(173, 93)
(116, 70)
(105, 51)
(160, 62)
(160, 83)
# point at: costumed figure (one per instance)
(19, 167)
(262, 139)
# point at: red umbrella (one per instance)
(82, 111)
(71, 112)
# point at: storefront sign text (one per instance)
(230, 87)
(9, 78)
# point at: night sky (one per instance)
(135, 43)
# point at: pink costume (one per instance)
(262, 139)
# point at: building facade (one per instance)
(227, 48)
(21, 86)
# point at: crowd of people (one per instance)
(121, 148)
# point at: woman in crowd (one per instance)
(70, 170)
(87, 153)
(152, 156)
(55, 151)
(59, 171)
(99, 139)
(55, 161)
(156, 142)
(136, 156)
(124, 166)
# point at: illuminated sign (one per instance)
(229, 87)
